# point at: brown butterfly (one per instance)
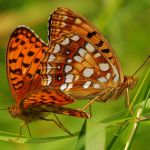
(25, 52)
(80, 61)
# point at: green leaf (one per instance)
(80, 145)
(95, 136)
(9, 137)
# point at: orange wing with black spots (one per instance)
(24, 54)
(50, 100)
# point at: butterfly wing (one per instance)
(24, 53)
(77, 67)
(64, 21)
(50, 100)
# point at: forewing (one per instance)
(64, 21)
(50, 100)
(24, 53)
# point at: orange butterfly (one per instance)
(80, 61)
(25, 52)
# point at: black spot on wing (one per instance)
(38, 71)
(100, 43)
(15, 34)
(17, 40)
(21, 55)
(15, 71)
(36, 60)
(25, 65)
(110, 58)
(105, 50)
(12, 61)
(18, 85)
(13, 78)
(91, 34)
(12, 48)
(29, 75)
(30, 53)
(22, 42)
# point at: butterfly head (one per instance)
(130, 81)
(14, 111)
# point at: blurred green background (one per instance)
(126, 25)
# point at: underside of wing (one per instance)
(64, 21)
(24, 53)
(74, 64)
(50, 100)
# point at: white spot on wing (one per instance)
(59, 78)
(67, 52)
(75, 38)
(63, 24)
(65, 41)
(51, 57)
(87, 84)
(78, 58)
(63, 86)
(76, 77)
(116, 78)
(68, 68)
(116, 73)
(87, 72)
(96, 86)
(89, 47)
(78, 21)
(69, 60)
(104, 66)
(59, 67)
(102, 79)
(97, 55)
(49, 79)
(48, 68)
(82, 52)
(70, 85)
(108, 75)
(65, 17)
(69, 78)
(56, 48)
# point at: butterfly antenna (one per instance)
(141, 65)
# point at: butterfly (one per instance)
(80, 62)
(25, 52)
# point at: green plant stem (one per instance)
(134, 118)
(135, 125)
(139, 90)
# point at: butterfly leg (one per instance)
(20, 131)
(128, 102)
(90, 110)
(65, 129)
(90, 103)
(21, 126)
(58, 123)
(29, 130)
